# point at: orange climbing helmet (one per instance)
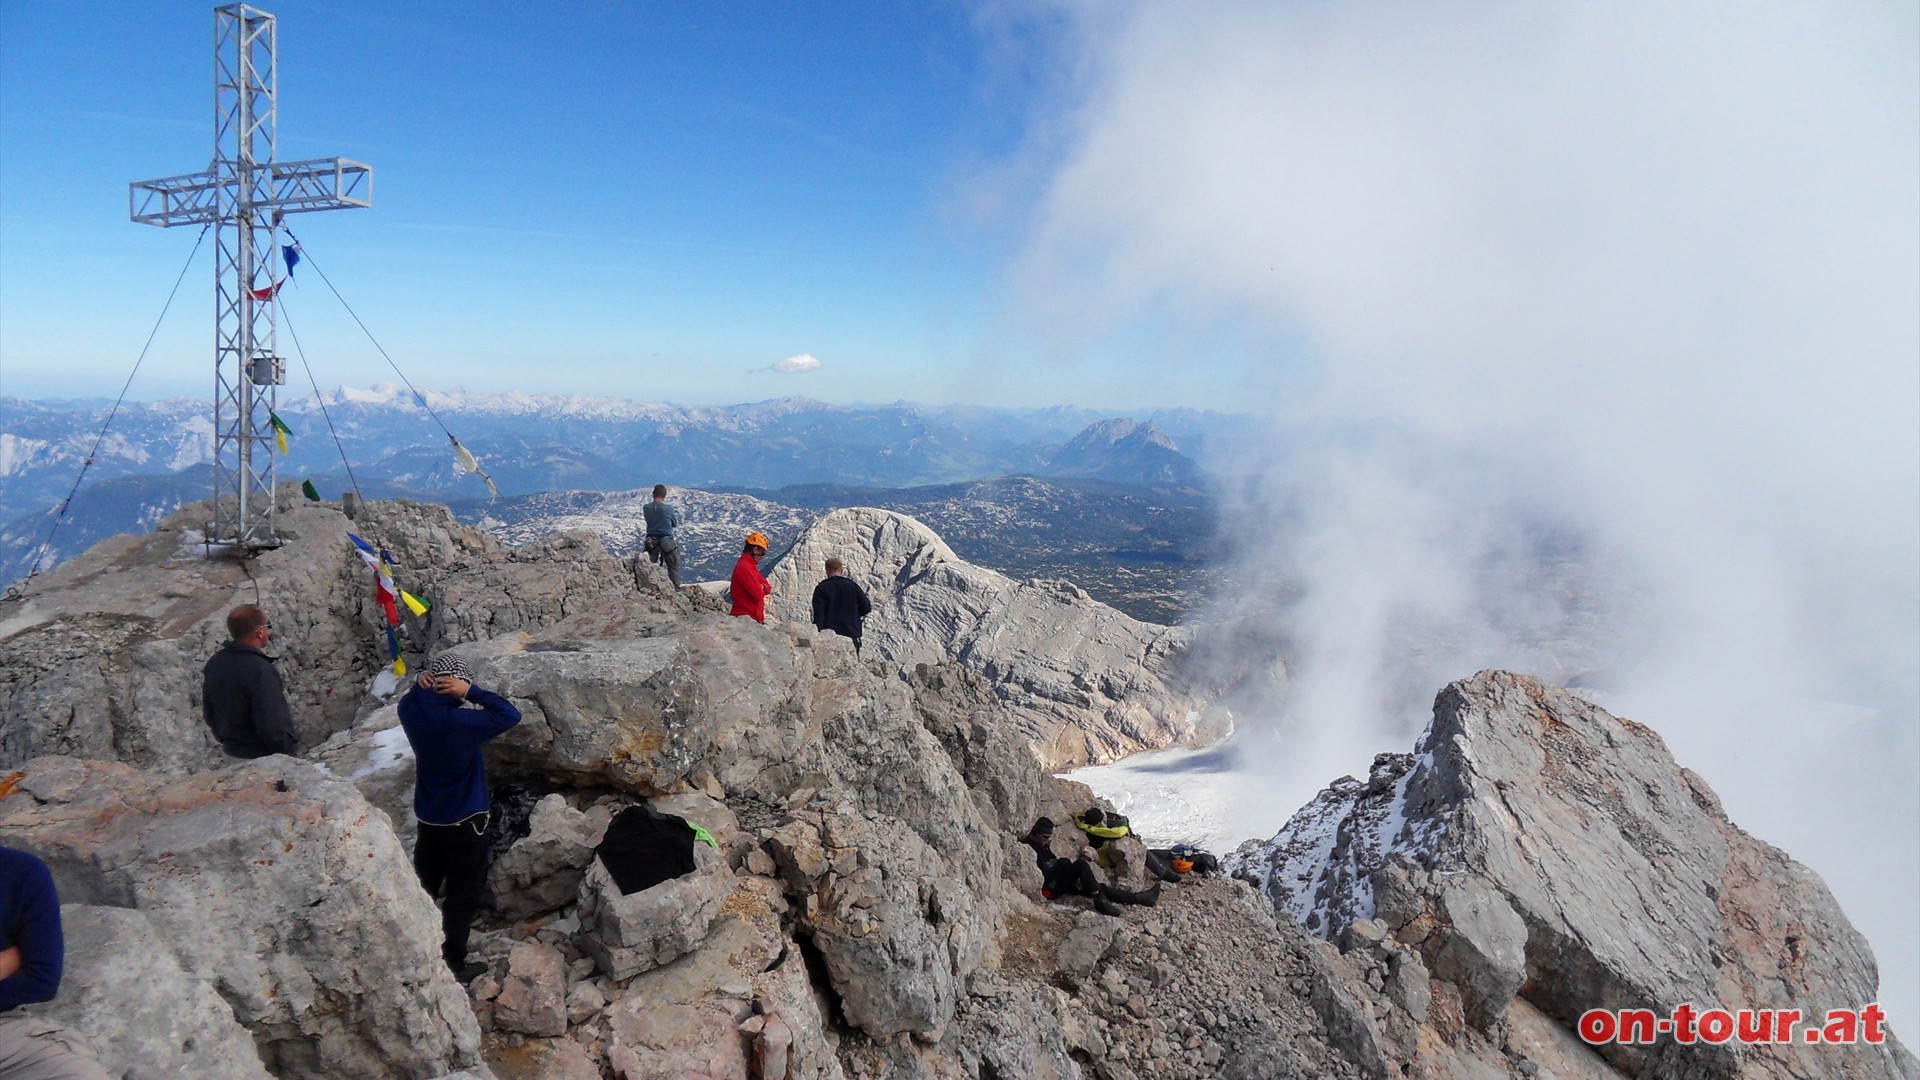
(758, 540)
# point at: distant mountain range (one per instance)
(1148, 551)
(155, 456)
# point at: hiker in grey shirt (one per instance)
(662, 519)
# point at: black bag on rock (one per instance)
(644, 847)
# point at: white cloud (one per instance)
(795, 365)
(1639, 277)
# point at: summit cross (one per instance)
(244, 195)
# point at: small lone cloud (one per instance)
(794, 365)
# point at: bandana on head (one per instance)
(449, 664)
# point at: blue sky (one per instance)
(638, 200)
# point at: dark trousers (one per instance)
(454, 857)
(1074, 877)
(666, 551)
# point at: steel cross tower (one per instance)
(243, 195)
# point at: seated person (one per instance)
(1102, 827)
(1077, 877)
(32, 957)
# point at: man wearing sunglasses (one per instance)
(241, 696)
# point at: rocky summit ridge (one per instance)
(867, 912)
(1088, 683)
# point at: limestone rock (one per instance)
(1482, 949)
(1528, 818)
(1127, 857)
(899, 931)
(146, 1018)
(1088, 683)
(541, 872)
(375, 757)
(652, 705)
(739, 1006)
(629, 934)
(103, 657)
(1094, 937)
(533, 994)
(282, 889)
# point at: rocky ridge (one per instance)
(867, 912)
(1088, 683)
(1538, 854)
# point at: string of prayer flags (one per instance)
(389, 596)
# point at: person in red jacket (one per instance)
(749, 589)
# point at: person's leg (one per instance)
(466, 883)
(1145, 897)
(1160, 868)
(430, 847)
(32, 1049)
(670, 555)
(1083, 879)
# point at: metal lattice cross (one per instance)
(244, 194)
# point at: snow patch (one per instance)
(389, 749)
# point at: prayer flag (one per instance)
(291, 256)
(414, 603)
(312, 493)
(280, 432)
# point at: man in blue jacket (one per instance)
(447, 720)
(32, 956)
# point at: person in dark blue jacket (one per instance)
(447, 720)
(32, 957)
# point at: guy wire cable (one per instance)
(466, 456)
(318, 400)
(18, 590)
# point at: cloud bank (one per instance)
(1600, 333)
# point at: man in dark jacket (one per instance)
(240, 692)
(447, 720)
(839, 603)
(32, 956)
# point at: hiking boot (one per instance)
(464, 974)
(1105, 906)
(1144, 898)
